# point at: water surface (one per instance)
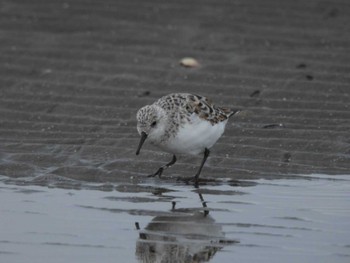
(305, 219)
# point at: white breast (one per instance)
(194, 137)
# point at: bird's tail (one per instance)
(230, 112)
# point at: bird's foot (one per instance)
(158, 173)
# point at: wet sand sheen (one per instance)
(75, 73)
(298, 220)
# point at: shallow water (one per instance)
(306, 219)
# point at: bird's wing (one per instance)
(194, 104)
(206, 110)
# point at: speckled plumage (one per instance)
(179, 107)
(187, 104)
(182, 123)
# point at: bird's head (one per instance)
(151, 124)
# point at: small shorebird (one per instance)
(182, 123)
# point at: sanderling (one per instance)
(182, 123)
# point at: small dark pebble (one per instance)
(255, 93)
(301, 65)
(287, 157)
(309, 77)
(274, 125)
(332, 13)
(144, 93)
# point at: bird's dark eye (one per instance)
(153, 124)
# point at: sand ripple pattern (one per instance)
(73, 74)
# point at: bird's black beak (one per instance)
(142, 140)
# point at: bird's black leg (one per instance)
(206, 154)
(162, 168)
(195, 178)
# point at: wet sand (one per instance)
(73, 75)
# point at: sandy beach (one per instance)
(73, 75)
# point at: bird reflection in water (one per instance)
(185, 235)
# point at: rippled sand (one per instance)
(74, 73)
